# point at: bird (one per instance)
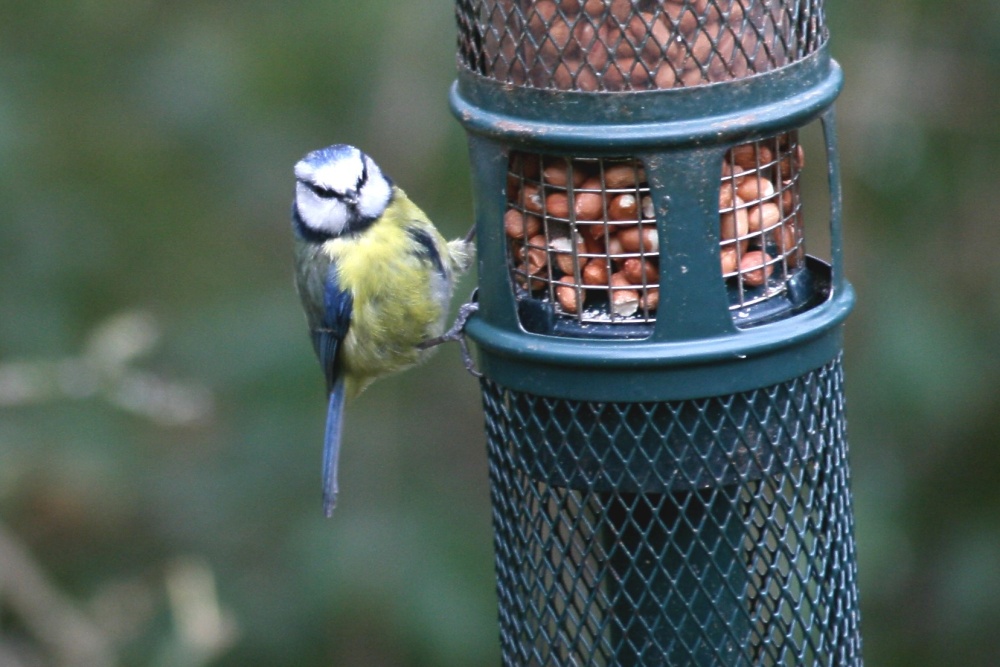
(375, 278)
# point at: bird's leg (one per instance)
(471, 235)
(457, 333)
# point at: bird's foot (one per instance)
(457, 333)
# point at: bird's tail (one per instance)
(331, 446)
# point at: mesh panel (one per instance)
(699, 532)
(616, 45)
(760, 220)
(582, 235)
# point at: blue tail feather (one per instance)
(331, 446)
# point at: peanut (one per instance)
(617, 75)
(639, 237)
(526, 277)
(525, 165)
(586, 79)
(585, 36)
(595, 231)
(726, 195)
(785, 238)
(618, 279)
(729, 259)
(665, 76)
(517, 224)
(532, 198)
(788, 197)
(557, 205)
(733, 11)
(594, 247)
(533, 254)
(588, 205)
(639, 272)
(623, 175)
(570, 7)
(623, 207)
(730, 169)
(701, 48)
(615, 247)
(753, 188)
(725, 48)
(648, 211)
(595, 273)
(752, 156)
(692, 76)
(755, 267)
(624, 302)
(558, 38)
(543, 13)
(684, 18)
(792, 163)
(621, 10)
(653, 35)
(740, 65)
(562, 248)
(763, 216)
(557, 173)
(650, 299)
(736, 224)
(569, 295)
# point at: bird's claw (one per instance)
(457, 333)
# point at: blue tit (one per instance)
(374, 275)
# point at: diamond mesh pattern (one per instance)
(713, 531)
(615, 45)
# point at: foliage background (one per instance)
(161, 411)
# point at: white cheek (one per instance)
(374, 197)
(327, 216)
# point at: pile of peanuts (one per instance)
(759, 210)
(616, 45)
(583, 230)
(606, 244)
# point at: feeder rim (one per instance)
(625, 354)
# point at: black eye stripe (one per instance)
(325, 193)
(363, 178)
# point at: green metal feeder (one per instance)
(662, 360)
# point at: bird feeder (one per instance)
(661, 355)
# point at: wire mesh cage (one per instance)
(663, 385)
(613, 549)
(621, 45)
(583, 233)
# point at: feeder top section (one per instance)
(633, 45)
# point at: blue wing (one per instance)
(337, 306)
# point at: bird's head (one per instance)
(338, 190)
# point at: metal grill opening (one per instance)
(694, 532)
(761, 246)
(633, 45)
(584, 249)
(583, 244)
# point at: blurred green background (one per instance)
(161, 411)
